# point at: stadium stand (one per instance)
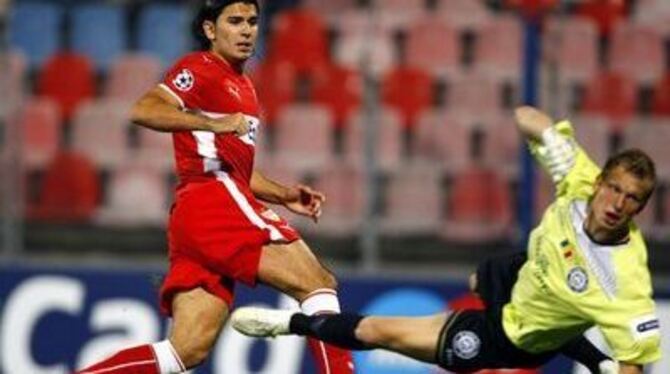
(479, 206)
(572, 44)
(35, 28)
(304, 136)
(68, 79)
(93, 23)
(340, 89)
(100, 132)
(637, 52)
(137, 196)
(409, 91)
(131, 75)
(70, 191)
(412, 200)
(423, 36)
(41, 132)
(161, 31)
(388, 139)
(612, 95)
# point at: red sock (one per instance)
(136, 360)
(330, 359)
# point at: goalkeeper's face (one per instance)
(234, 34)
(617, 199)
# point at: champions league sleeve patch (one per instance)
(645, 326)
(578, 279)
(184, 80)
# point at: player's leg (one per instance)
(198, 317)
(416, 337)
(294, 269)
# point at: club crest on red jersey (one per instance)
(184, 80)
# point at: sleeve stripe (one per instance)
(169, 90)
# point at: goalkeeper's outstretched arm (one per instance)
(554, 151)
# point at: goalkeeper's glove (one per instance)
(558, 154)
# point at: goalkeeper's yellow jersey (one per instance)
(571, 283)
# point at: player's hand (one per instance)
(234, 123)
(532, 121)
(305, 201)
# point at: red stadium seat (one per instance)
(17, 69)
(475, 94)
(360, 36)
(498, 49)
(340, 89)
(155, 149)
(603, 13)
(100, 132)
(652, 136)
(422, 38)
(275, 82)
(654, 14)
(307, 49)
(593, 134)
(612, 95)
(388, 139)
(304, 136)
(329, 7)
(413, 201)
(398, 14)
(573, 44)
(479, 207)
(41, 131)
(136, 196)
(68, 79)
(444, 140)
(637, 52)
(409, 91)
(464, 14)
(70, 190)
(661, 99)
(501, 145)
(343, 185)
(132, 75)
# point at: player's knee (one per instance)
(194, 351)
(328, 280)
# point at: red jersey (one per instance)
(204, 83)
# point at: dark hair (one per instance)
(210, 11)
(634, 161)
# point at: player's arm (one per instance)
(554, 151)
(160, 111)
(299, 199)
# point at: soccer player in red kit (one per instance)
(219, 232)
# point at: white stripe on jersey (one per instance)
(246, 208)
(207, 149)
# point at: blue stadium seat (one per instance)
(164, 31)
(35, 29)
(99, 31)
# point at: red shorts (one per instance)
(215, 235)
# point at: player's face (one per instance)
(617, 199)
(234, 35)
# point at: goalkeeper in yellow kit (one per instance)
(586, 265)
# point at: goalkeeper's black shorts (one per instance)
(474, 339)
